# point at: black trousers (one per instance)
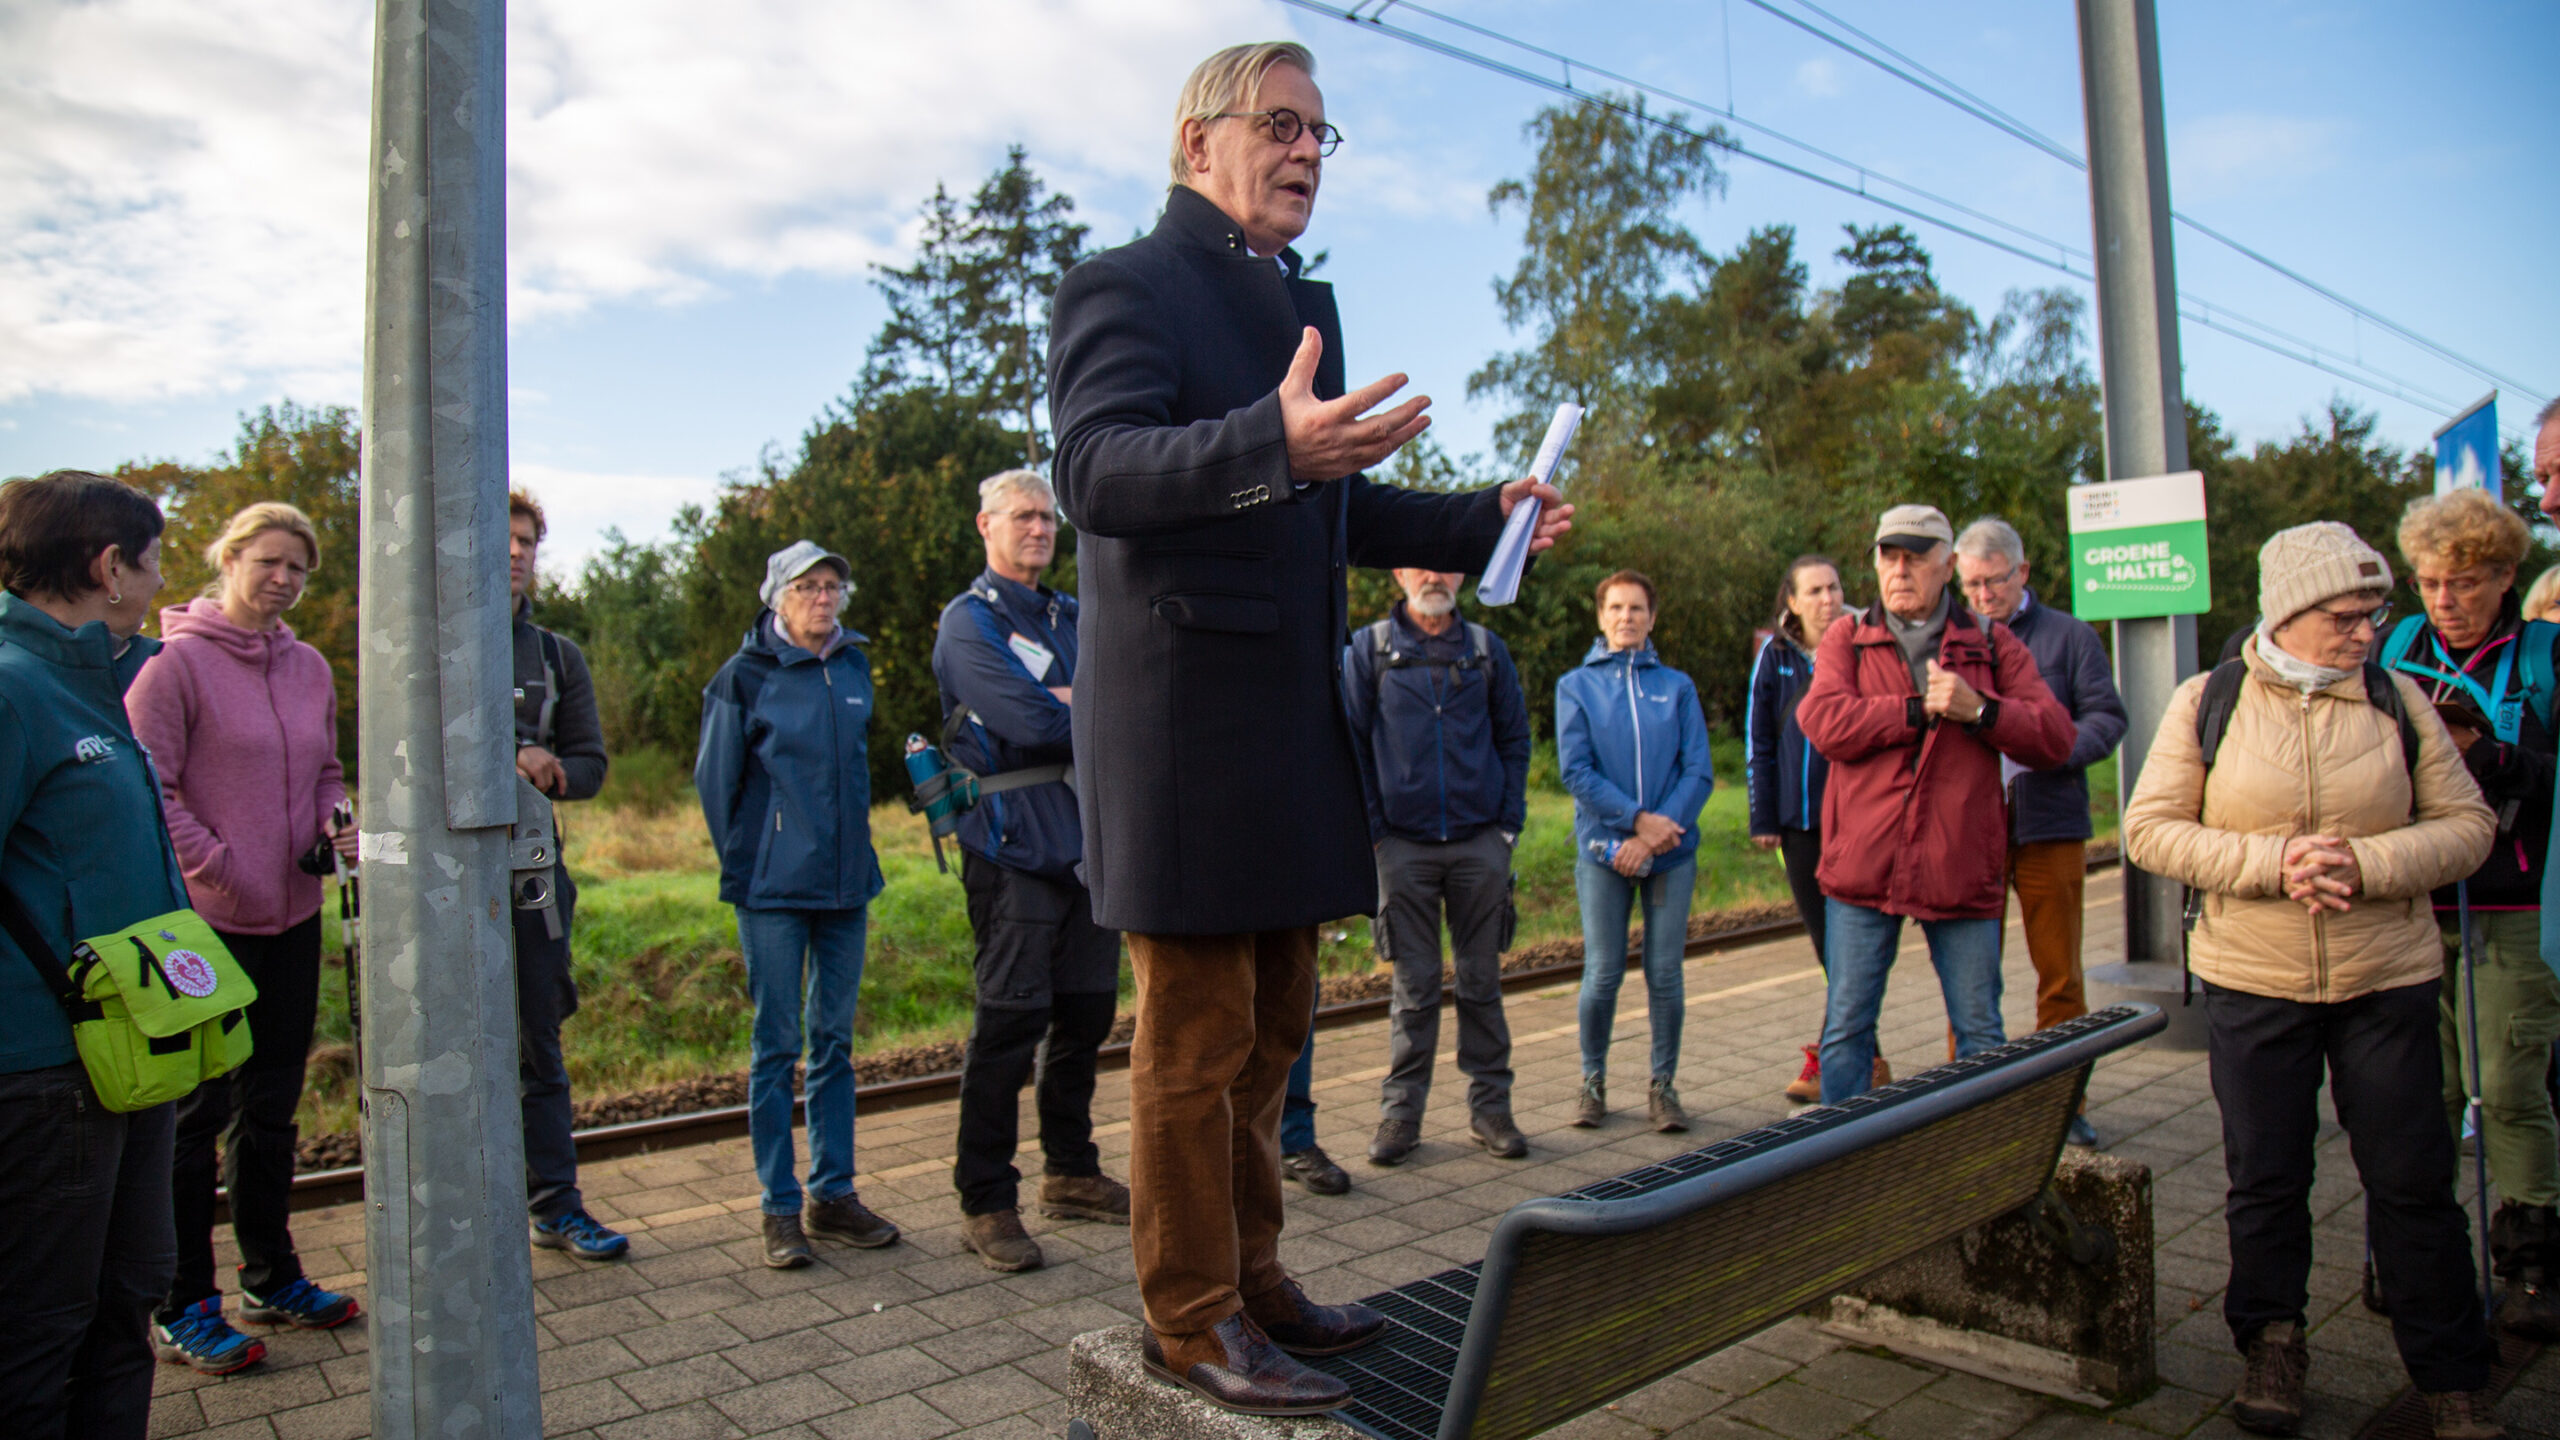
(85, 1253)
(546, 996)
(250, 1112)
(1803, 852)
(2385, 1071)
(1048, 987)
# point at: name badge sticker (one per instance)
(1035, 657)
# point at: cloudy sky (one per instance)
(697, 194)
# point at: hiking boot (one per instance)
(2081, 1134)
(1807, 1086)
(1495, 1132)
(303, 1305)
(1593, 1106)
(785, 1246)
(1395, 1140)
(203, 1342)
(2270, 1398)
(847, 1219)
(582, 1235)
(1000, 1241)
(2523, 1242)
(1084, 1197)
(2464, 1415)
(1315, 1169)
(1662, 1107)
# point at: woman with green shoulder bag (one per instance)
(86, 1243)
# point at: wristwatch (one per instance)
(1989, 717)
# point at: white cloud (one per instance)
(578, 506)
(1818, 78)
(2242, 152)
(182, 200)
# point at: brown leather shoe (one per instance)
(1000, 1241)
(2464, 1415)
(1084, 1197)
(1234, 1366)
(1303, 1327)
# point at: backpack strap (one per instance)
(2213, 713)
(2536, 668)
(2396, 645)
(57, 981)
(2383, 693)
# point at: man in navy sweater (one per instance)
(1442, 733)
(1005, 658)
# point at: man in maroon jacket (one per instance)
(1913, 702)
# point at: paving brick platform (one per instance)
(692, 1337)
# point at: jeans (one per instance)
(2383, 1062)
(251, 1111)
(1607, 897)
(546, 996)
(802, 963)
(1863, 943)
(86, 1250)
(1470, 880)
(2519, 1017)
(1298, 1105)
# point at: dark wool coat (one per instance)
(1214, 766)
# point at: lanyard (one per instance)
(2450, 676)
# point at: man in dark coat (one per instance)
(1210, 460)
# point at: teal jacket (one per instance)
(82, 842)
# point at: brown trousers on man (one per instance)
(2050, 876)
(1220, 1020)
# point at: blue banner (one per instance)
(2467, 451)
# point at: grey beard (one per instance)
(1434, 603)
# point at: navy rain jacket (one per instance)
(782, 773)
(1014, 722)
(1781, 770)
(1444, 744)
(2054, 804)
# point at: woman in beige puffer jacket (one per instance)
(2315, 843)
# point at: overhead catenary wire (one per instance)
(1947, 91)
(1369, 15)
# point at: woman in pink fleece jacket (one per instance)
(242, 721)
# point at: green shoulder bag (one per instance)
(156, 1008)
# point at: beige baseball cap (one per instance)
(1915, 528)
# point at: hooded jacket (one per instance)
(782, 775)
(1014, 722)
(1444, 741)
(1913, 821)
(1782, 772)
(82, 842)
(243, 727)
(2291, 764)
(1630, 737)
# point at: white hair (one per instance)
(1992, 538)
(1012, 482)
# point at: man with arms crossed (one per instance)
(1210, 460)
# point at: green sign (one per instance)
(2137, 548)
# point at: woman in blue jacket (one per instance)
(787, 791)
(1632, 744)
(1782, 770)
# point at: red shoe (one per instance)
(1808, 1086)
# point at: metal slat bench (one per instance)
(1586, 1297)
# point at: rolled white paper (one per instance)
(1501, 582)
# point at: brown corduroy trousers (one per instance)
(2050, 876)
(1220, 1020)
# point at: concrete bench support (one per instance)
(1110, 1391)
(2005, 1302)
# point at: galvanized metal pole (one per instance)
(452, 1288)
(2146, 417)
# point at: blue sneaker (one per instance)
(582, 1235)
(200, 1340)
(2081, 1134)
(303, 1305)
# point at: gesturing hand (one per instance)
(1951, 697)
(1329, 439)
(1554, 516)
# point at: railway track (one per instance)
(604, 1142)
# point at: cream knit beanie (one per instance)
(2313, 564)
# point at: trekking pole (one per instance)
(2475, 1119)
(350, 908)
